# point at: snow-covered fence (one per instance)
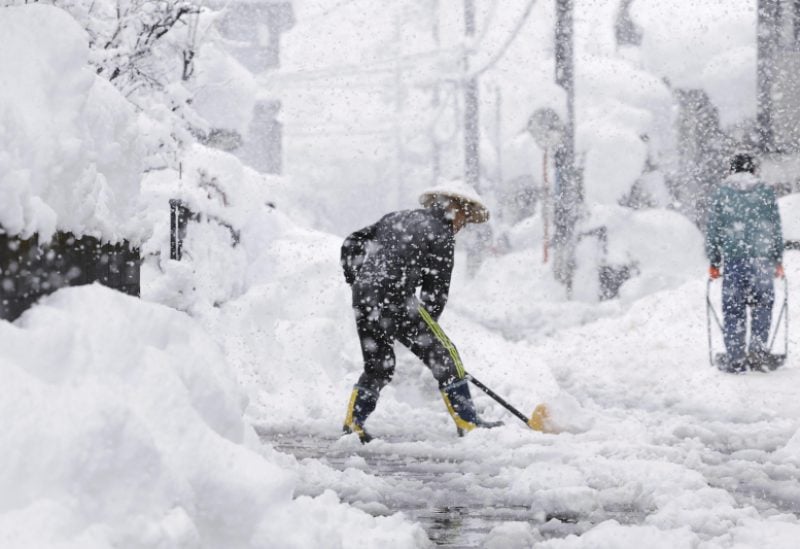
(30, 269)
(609, 276)
(180, 215)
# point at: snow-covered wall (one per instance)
(70, 145)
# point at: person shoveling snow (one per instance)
(384, 264)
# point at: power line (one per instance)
(501, 52)
(488, 22)
(326, 12)
(388, 66)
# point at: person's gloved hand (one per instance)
(779, 271)
(713, 272)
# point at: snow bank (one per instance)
(123, 428)
(663, 247)
(71, 155)
(297, 307)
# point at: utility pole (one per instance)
(472, 161)
(436, 152)
(548, 132)
(568, 194)
(398, 111)
(498, 135)
(767, 37)
(545, 200)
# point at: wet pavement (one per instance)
(435, 493)
(459, 502)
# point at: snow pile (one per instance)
(124, 429)
(71, 150)
(662, 247)
(298, 308)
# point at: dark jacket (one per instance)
(744, 221)
(404, 251)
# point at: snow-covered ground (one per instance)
(658, 447)
(126, 422)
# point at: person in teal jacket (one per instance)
(744, 240)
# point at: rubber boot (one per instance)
(362, 404)
(737, 366)
(459, 403)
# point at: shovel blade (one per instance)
(539, 420)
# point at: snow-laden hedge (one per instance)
(71, 152)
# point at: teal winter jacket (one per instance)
(744, 221)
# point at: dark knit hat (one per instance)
(743, 162)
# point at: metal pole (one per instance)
(767, 37)
(567, 192)
(174, 234)
(436, 148)
(545, 208)
(471, 113)
(498, 140)
(398, 114)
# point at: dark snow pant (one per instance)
(747, 282)
(383, 319)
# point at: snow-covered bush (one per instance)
(227, 199)
(71, 150)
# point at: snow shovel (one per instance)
(771, 361)
(537, 421)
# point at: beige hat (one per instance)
(461, 193)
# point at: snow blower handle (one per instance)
(535, 422)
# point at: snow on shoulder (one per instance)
(70, 151)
